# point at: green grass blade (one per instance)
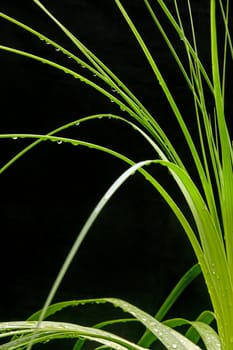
(208, 335)
(49, 330)
(51, 136)
(204, 331)
(206, 317)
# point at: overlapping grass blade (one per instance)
(49, 330)
(206, 317)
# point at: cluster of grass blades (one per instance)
(210, 199)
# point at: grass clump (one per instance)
(208, 191)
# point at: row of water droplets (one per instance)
(114, 87)
(60, 141)
(80, 62)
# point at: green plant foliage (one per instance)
(210, 198)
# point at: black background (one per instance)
(136, 250)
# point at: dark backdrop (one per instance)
(136, 250)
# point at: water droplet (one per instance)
(41, 39)
(111, 101)
(113, 89)
(14, 138)
(94, 74)
(77, 124)
(82, 65)
(69, 57)
(47, 43)
(174, 346)
(57, 49)
(59, 142)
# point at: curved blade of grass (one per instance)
(51, 133)
(203, 330)
(208, 335)
(75, 123)
(206, 317)
(49, 330)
